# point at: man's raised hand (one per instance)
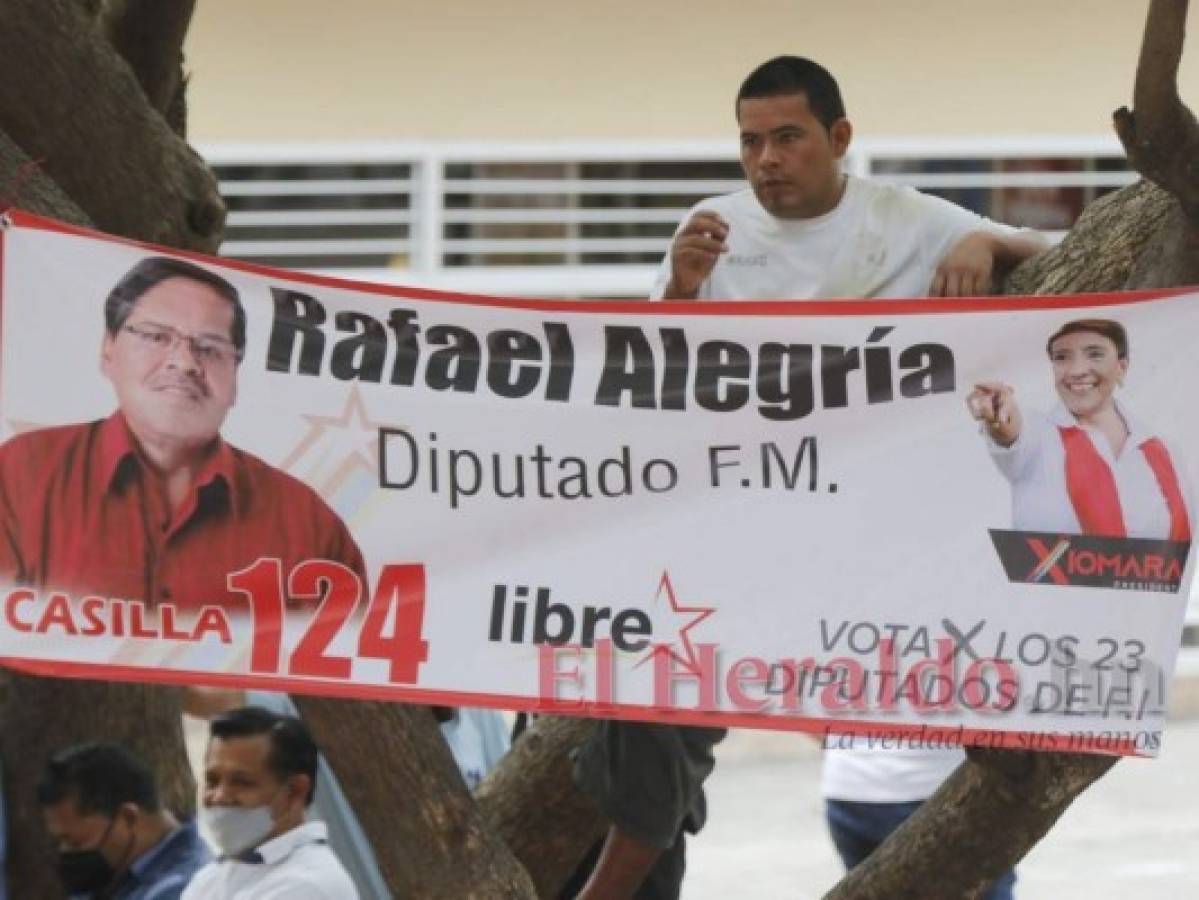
(694, 253)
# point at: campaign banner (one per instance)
(925, 521)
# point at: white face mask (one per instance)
(235, 828)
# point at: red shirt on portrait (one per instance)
(79, 513)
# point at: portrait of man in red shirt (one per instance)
(151, 503)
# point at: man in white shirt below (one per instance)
(259, 779)
(806, 230)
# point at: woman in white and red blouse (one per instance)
(1089, 466)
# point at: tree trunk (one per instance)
(437, 843)
(979, 823)
(69, 101)
(530, 800)
(398, 774)
(23, 184)
(1102, 249)
(42, 715)
(149, 35)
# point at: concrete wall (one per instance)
(594, 69)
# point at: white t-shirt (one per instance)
(872, 775)
(879, 241)
(297, 865)
(1035, 464)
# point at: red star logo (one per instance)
(355, 445)
(689, 660)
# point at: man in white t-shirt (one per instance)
(805, 230)
(259, 779)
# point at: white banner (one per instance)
(776, 515)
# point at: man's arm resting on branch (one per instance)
(1012, 249)
(971, 265)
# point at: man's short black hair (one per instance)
(154, 270)
(99, 777)
(293, 751)
(785, 75)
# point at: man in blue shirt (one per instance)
(115, 840)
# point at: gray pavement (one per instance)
(1133, 835)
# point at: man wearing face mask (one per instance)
(115, 840)
(259, 779)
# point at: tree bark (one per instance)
(1160, 136)
(43, 715)
(531, 802)
(979, 823)
(23, 184)
(402, 781)
(1101, 251)
(104, 145)
(149, 35)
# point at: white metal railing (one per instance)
(569, 218)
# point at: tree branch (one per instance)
(531, 802)
(104, 146)
(1160, 134)
(1103, 248)
(401, 781)
(23, 184)
(1155, 92)
(149, 35)
(978, 824)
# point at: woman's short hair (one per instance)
(1109, 328)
